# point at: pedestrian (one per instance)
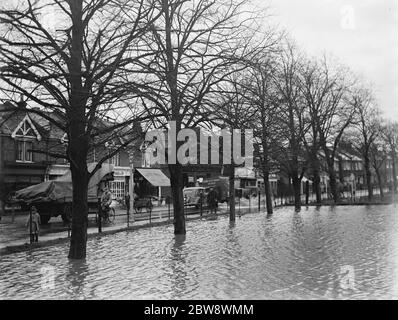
(212, 200)
(33, 224)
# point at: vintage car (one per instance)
(195, 196)
(54, 198)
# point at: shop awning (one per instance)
(155, 177)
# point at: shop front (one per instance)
(151, 182)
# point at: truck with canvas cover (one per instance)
(220, 184)
(53, 198)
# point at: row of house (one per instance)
(350, 173)
(27, 141)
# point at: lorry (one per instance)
(220, 185)
(53, 198)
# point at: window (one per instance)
(26, 129)
(117, 189)
(24, 134)
(115, 160)
(24, 153)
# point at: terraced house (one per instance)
(29, 143)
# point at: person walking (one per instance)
(33, 225)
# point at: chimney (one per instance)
(21, 104)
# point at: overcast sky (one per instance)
(362, 33)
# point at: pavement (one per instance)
(15, 235)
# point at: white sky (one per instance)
(363, 34)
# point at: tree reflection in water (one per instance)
(77, 271)
(178, 266)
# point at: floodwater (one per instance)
(318, 253)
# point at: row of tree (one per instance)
(303, 110)
(209, 63)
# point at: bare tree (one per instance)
(291, 117)
(325, 92)
(195, 43)
(367, 128)
(390, 135)
(315, 85)
(77, 68)
(378, 158)
(262, 95)
(233, 110)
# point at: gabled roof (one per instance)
(12, 119)
(24, 128)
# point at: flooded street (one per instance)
(319, 253)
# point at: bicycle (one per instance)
(109, 215)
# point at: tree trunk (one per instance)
(380, 181)
(317, 179)
(177, 186)
(368, 174)
(2, 184)
(232, 193)
(333, 185)
(78, 240)
(317, 187)
(268, 195)
(394, 172)
(78, 140)
(297, 192)
(80, 177)
(341, 178)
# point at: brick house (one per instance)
(26, 142)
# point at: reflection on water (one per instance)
(75, 278)
(317, 253)
(178, 266)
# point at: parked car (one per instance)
(247, 192)
(195, 196)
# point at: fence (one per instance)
(163, 212)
